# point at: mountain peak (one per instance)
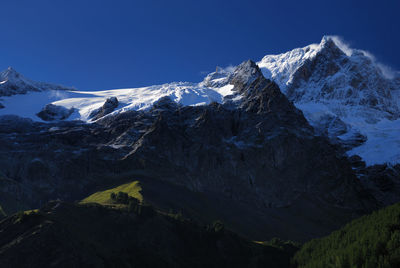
(9, 73)
(342, 90)
(12, 82)
(326, 39)
(329, 47)
(247, 72)
(11, 69)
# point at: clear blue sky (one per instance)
(114, 44)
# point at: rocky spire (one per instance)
(246, 73)
(8, 74)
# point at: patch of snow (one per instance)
(280, 68)
(84, 102)
(116, 146)
(225, 90)
(341, 91)
(54, 129)
(27, 105)
(383, 135)
(314, 111)
(383, 143)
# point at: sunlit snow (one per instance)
(383, 135)
(28, 105)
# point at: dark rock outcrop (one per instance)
(53, 112)
(109, 106)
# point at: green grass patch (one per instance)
(133, 189)
(31, 211)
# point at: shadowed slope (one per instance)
(66, 235)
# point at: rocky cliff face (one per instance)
(345, 94)
(53, 112)
(261, 151)
(258, 156)
(109, 105)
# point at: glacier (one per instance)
(85, 102)
(344, 93)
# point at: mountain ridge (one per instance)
(344, 93)
(12, 83)
(258, 153)
(234, 138)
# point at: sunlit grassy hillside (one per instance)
(103, 197)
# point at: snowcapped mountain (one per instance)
(344, 93)
(324, 73)
(84, 103)
(12, 82)
(256, 151)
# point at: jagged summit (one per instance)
(329, 49)
(350, 80)
(234, 139)
(9, 72)
(9, 76)
(282, 67)
(12, 82)
(245, 74)
(329, 46)
(343, 92)
(218, 78)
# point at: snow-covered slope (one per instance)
(281, 68)
(345, 94)
(85, 102)
(142, 98)
(13, 85)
